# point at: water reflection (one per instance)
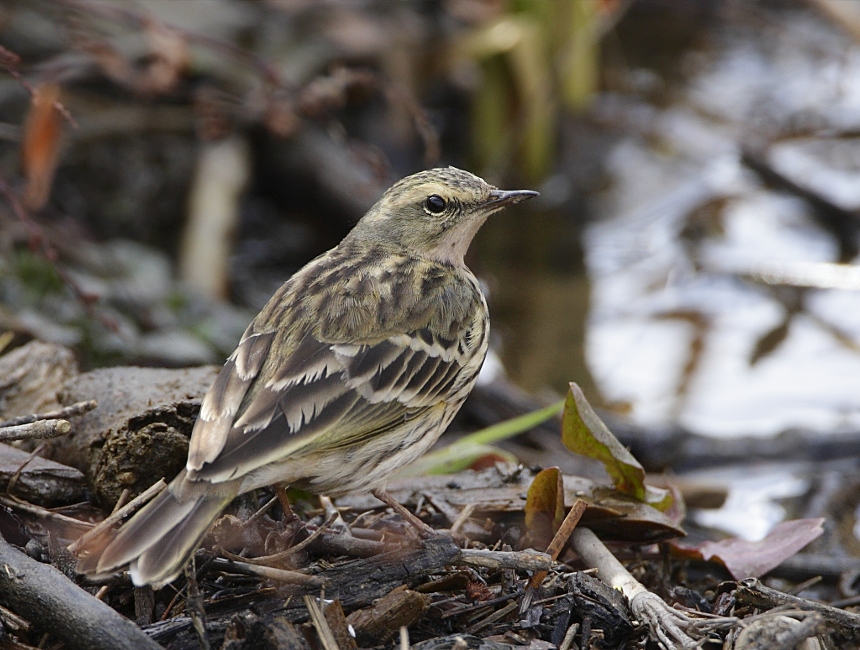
(709, 299)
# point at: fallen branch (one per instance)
(752, 592)
(39, 592)
(78, 408)
(523, 560)
(38, 430)
(671, 628)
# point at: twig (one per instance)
(663, 621)
(347, 545)
(35, 430)
(567, 643)
(492, 618)
(481, 605)
(10, 61)
(12, 621)
(752, 592)
(13, 481)
(462, 518)
(422, 528)
(117, 516)
(194, 606)
(123, 497)
(321, 625)
(272, 573)
(78, 408)
(522, 560)
(560, 539)
(260, 512)
(33, 509)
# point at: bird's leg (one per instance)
(423, 529)
(284, 500)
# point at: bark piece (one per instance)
(379, 622)
(41, 481)
(339, 626)
(605, 606)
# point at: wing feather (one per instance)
(296, 387)
(224, 398)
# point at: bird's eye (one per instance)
(435, 204)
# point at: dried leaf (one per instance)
(620, 516)
(544, 509)
(40, 146)
(583, 432)
(745, 559)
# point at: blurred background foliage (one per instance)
(161, 157)
(166, 164)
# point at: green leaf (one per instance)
(583, 432)
(455, 458)
(463, 453)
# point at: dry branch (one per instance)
(523, 560)
(79, 408)
(38, 430)
(39, 592)
(752, 592)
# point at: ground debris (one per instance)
(386, 615)
(140, 429)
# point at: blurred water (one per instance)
(681, 327)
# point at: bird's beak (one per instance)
(502, 198)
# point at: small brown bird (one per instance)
(354, 368)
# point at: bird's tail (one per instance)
(157, 542)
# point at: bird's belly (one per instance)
(360, 467)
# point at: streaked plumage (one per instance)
(354, 368)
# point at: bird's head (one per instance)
(435, 213)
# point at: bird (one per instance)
(354, 368)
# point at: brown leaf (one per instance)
(745, 559)
(40, 146)
(544, 510)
